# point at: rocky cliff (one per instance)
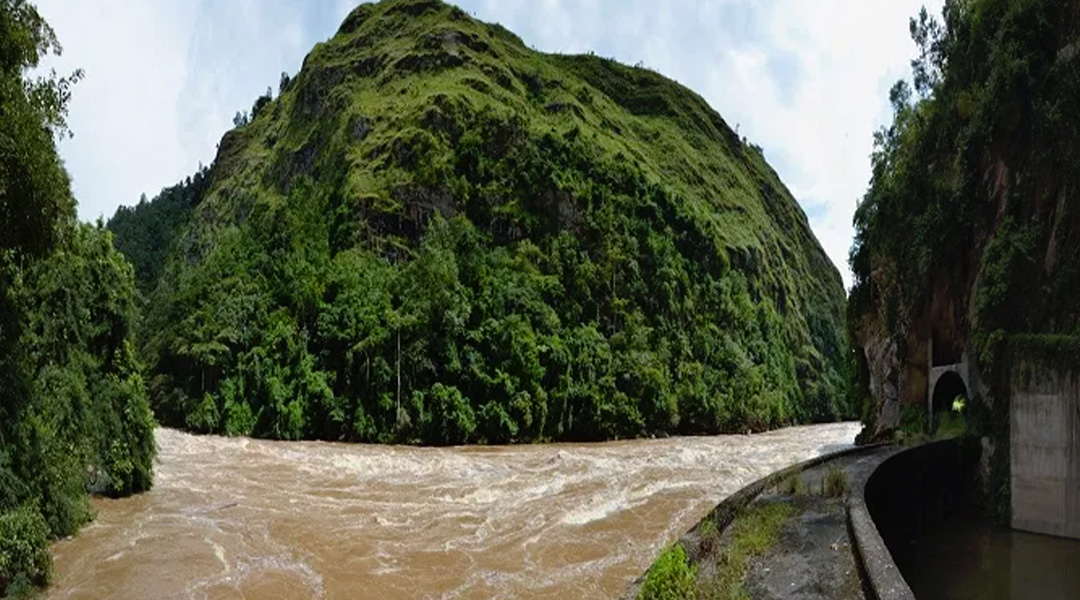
(969, 235)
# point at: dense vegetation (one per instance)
(74, 415)
(971, 220)
(144, 232)
(434, 234)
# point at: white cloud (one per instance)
(163, 81)
(807, 81)
(122, 112)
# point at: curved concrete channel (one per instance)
(908, 521)
(882, 577)
(814, 565)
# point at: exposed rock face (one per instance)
(885, 375)
(969, 234)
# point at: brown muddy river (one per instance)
(242, 518)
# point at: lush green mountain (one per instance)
(969, 235)
(74, 416)
(436, 234)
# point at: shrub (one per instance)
(912, 419)
(670, 578)
(449, 418)
(953, 423)
(24, 550)
(793, 485)
(835, 483)
(708, 536)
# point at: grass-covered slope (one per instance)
(436, 234)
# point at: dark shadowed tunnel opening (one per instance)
(947, 389)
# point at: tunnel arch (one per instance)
(948, 386)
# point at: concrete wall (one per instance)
(918, 488)
(729, 509)
(1045, 448)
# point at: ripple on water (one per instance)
(234, 517)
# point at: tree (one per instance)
(929, 35)
(73, 411)
(260, 103)
(35, 193)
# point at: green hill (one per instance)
(436, 234)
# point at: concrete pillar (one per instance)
(930, 384)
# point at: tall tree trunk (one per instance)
(398, 415)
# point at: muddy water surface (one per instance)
(966, 558)
(241, 518)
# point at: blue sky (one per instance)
(807, 80)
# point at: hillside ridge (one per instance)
(436, 234)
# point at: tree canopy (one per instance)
(74, 416)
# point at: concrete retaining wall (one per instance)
(899, 496)
(895, 493)
(1045, 449)
(730, 507)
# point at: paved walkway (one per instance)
(811, 556)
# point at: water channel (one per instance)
(967, 558)
(253, 519)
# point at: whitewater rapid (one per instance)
(254, 519)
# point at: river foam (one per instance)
(242, 518)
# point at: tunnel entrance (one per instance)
(949, 387)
